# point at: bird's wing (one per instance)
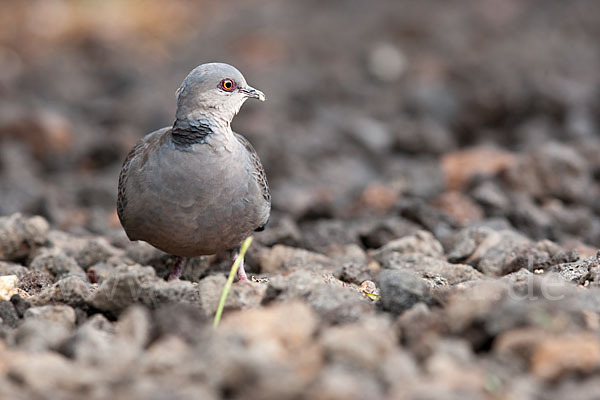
(139, 151)
(258, 171)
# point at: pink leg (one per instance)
(177, 269)
(242, 272)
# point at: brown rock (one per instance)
(460, 166)
(558, 356)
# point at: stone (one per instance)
(552, 170)
(283, 230)
(422, 242)
(35, 281)
(377, 233)
(327, 295)
(71, 290)
(337, 304)
(184, 321)
(364, 344)
(8, 268)
(491, 197)
(95, 250)
(58, 314)
(386, 62)
(401, 290)
(93, 343)
(558, 356)
(21, 305)
(38, 336)
(495, 253)
(461, 166)
(284, 258)
(336, 382)
(277, 346)
(130, 284)
(133, 327)
(461, 244)
(56, 263)
(8, 314)
(352, 272)
(429, 267)
(19, 236)
(434, 220)
(8, 286)
(242, 295)
(460, 207)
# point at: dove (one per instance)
(196, 187)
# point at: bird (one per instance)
(197, 188)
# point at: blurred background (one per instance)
(486, 111)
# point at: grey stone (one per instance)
(400, 290)
(461, 244)
(553, 170)
(34, 282)
(19, 235)
(133, 326)
(57, 263)
(353, 272)
(71, 290)
(8, 314)
(495, 253)
(37, 335)
(242, 294)
(578, 271)
(8, 268)
(428, 267)
(59, 314)
(364, 344)
(282, 231)
(422, 242)
(94, 251)
(130, 284)
(338, 304)
(21, 305)
(281, 258)
(185, 321)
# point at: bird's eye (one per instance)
(227, 85)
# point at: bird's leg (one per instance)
(241, 272)
(177, 268)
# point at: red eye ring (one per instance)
(227, 85)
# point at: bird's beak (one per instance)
(249, 91)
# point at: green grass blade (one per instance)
(232, 273)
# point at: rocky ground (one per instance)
(435, 171)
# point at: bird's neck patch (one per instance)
(189, 132)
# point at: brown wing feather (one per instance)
(258, 173)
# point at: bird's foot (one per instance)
(241, 273)
(177, 269)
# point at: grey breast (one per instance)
(191, 203)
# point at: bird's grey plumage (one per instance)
(196, 188)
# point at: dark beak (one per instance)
(252, 93)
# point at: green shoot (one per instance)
(232, 274)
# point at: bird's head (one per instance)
(214, 90)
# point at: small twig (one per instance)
(232, 273)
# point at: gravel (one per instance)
(435, 183)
